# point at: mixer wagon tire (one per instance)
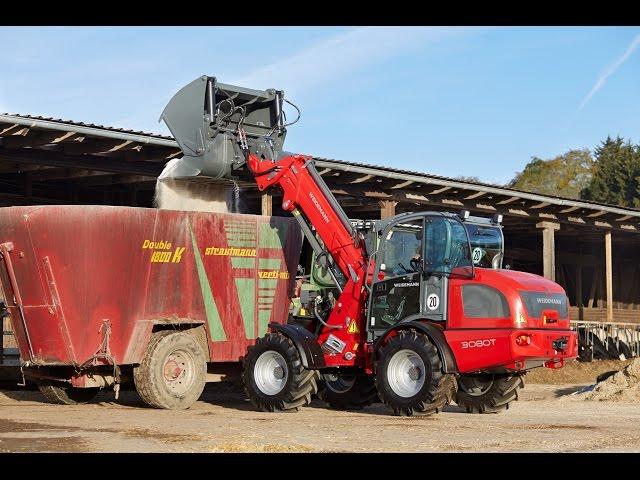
(64, 395)
(488, 393)
(348, 391)
(409, 376)
(173, 371)
(274, 377)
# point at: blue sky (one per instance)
(448, 101)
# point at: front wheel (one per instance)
(348, 391)
(488, 393)
(274, 377)
(409, 376)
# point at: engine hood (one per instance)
(521, 281)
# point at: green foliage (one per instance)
(565, 175)
(616, 175)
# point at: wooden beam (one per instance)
(89, 162)
(35, 138)
(548, 248)
(608, 274)
(266, 205)
(508, 200)
(594, 283)
(387, 208)
(579, 291)
(402, 184)
(475, 195)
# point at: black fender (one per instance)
(436, 335)
(306, 343)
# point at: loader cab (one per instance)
(417, 254)
(486, 240)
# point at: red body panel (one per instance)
(485, 343)
(77, 266)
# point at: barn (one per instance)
(589, 248)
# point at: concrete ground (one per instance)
(223, 421)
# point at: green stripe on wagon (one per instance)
(210, 308)
(246, 288)
(268, 282)
(239, 262)
(269, 263)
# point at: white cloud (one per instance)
(339, 55)
(633, 46)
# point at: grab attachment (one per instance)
(216, 125)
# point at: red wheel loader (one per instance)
(415, 322)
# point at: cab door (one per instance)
(397, 292)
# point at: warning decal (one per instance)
(353, 327)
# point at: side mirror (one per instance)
(383, 267)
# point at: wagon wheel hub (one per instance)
(179, 371)
(172, 370)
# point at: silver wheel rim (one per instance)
(339, 383)
(270, 373)
(476, 385)
(405, 373)
(179, 371)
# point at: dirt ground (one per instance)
(223, 421)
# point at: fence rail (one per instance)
(602, 340)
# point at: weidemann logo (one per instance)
(315, 201)
(555, 301)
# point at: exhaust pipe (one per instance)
(215, 124)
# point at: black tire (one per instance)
(488, 393)
(62, 394)
(297, 384)
(437, 389)
(348, 391)
(161, 388)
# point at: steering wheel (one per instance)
(416, 264)
(404, 268)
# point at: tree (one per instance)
(616, 176)
(565, 175)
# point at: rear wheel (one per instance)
(488, 393)
(409, 376)
(348, 391)
(274, 377)
(173, 372)
(66, 395)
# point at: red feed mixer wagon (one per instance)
(101, 295)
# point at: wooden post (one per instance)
(594, 284)
(133, 195)
(267, 205)
(548, 248)
(579, 291)
(608, 274)
(387, 208)
(28, 186)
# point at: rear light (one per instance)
(523, 340)
(549, 316)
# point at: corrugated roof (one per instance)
(384, 171)
(89, 125)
